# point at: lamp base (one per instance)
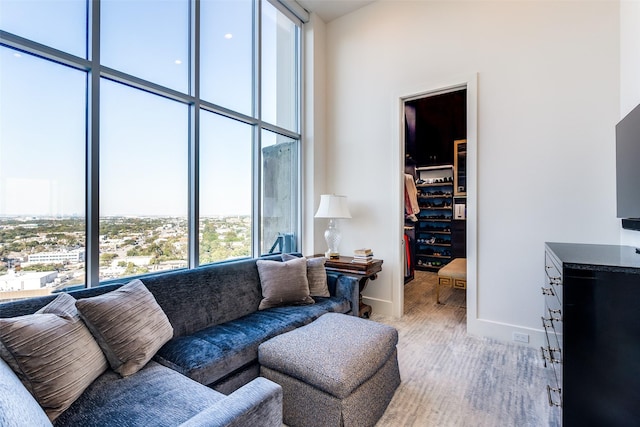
(333, 237)
(331, 255)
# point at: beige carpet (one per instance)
(451, 379)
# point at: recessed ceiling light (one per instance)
(177, 62)
(17, 55)
(228, 36)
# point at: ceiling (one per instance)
(329, 10)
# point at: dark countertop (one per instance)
(597, 257)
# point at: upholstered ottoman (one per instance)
(453, 275)
(339, 370)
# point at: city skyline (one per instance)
(127, 247)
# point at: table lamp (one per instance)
(332, 207)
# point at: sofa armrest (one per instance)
(347, 287)
(17, 406)
(258, 403)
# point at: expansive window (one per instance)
(279, 69)
(59, 24)
(148, 39)
(227, 54)
(144, 135)
(42, 182)
(279, 189)
(225, 188)
(143, 182)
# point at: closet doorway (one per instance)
(435, 226)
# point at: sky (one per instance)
(144, 151)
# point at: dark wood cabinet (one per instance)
(459, 238)
(592, 324)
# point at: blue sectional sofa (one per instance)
(217, 329)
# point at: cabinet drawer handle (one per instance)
(544, 357)
(547, 291)
(559, 393)
(547, 322)
(554, 280)
(547, 355)
(555, 318)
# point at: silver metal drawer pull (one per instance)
(547, 291)
(547, 355)
(555, 318)
(558, 391)
(554, 279)
(544, 358)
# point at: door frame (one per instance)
(470, 83)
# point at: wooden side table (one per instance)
(364, 272)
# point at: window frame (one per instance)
(95, 72)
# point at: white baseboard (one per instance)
(379, 306)
(504, 332)
(481, 328)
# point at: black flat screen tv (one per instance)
(628, 169)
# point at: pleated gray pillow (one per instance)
(53, 354)
(316, 275)
(128, 324)
(283, 283)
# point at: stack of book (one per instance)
(362, 256)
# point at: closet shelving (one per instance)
(433, 229)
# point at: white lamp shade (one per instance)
(332, 206)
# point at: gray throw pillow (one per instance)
(316, 275)
(283, 283)
(128, 324)
(53, 354)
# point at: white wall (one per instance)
(548, 82)
(629, 78)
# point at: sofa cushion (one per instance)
(207, 295)
(283, 283)
(154, 396)
(128, 324)
(212, 353)
(53, 353)
(316, 275)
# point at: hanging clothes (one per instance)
(407, 257)
(410, 197)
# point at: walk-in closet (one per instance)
(435, 192)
